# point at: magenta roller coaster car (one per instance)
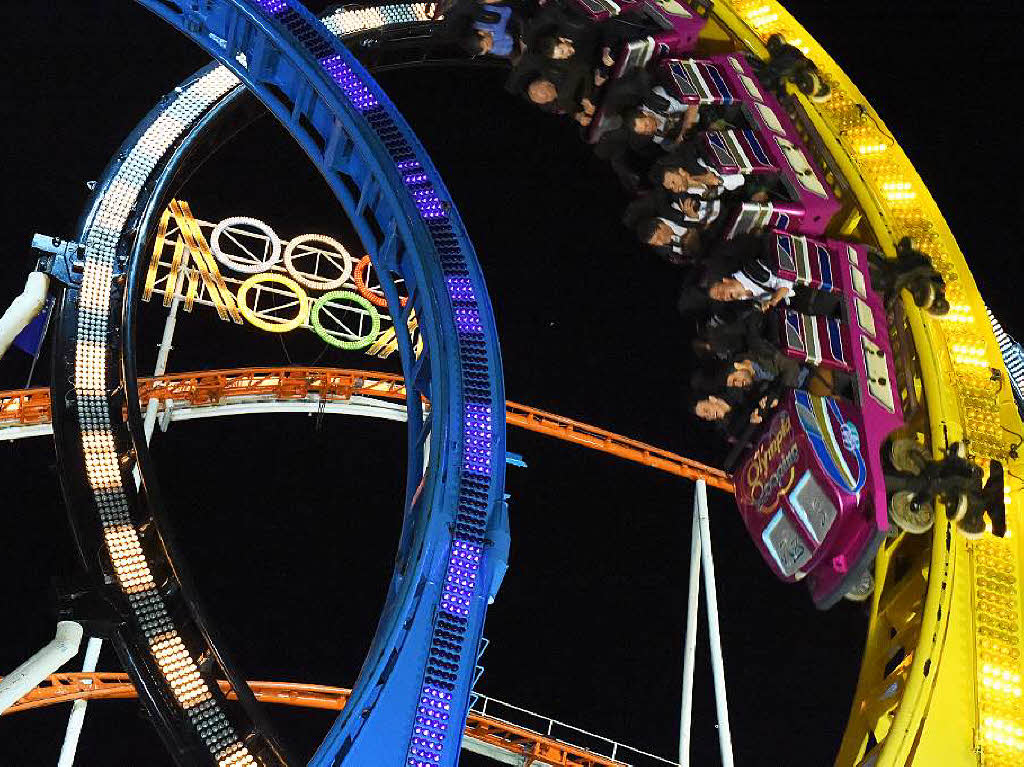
(674, 30)
(809, 498)
(680, 24)
(812, 490)
(771, 143)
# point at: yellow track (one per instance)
(940, 681)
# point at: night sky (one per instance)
(290, 529)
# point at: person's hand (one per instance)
(755, 417)
(763, 306)
(588, 106)
(690, 208)
(582, 118)
(778, 295)
(606, 57)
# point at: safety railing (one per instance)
(523, 719)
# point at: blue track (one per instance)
(409, 703)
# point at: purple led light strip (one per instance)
(422, 190)
(433, 712)
(272, 6)
(358, 93)
(434, 709)
(478, 432)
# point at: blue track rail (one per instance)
(410, 700)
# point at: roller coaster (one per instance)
(940, 680)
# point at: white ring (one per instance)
(314, 281)
(233, 262)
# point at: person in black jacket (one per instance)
(672, 243)
(687, 211)
(555, 86)
(742, 269)
(642, 122)
(630, 161)
(727, 407)
(730, 330)
(683, 210)
(688, 170)
(647, 112)
(666, 224)
(557, 33)
(560, 32)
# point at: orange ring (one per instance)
(374, 298)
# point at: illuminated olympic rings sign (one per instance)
(275, 296)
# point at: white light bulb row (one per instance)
(102, 460)
(344, 22)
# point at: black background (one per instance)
(290, 530)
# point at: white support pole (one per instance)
(62, 648)
(172, 319)
(717, 665)
(23, 309)
(153, 405)
(149, 423)
(690, 645)
(77, 718)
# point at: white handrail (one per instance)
(690, 644)
(77, 718)
(62, 648)
(23, 309)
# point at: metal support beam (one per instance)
(700, 554)
(70, 746)
(690, 645)
(717, 664)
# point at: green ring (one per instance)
(360, 343)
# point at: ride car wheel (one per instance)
(972, 526)
(923, 292)
(908, 456)
(940, 306)
(911, 516)
(863, 588)
(959, 508)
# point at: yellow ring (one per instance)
(274, 327)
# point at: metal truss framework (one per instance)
(183, 396)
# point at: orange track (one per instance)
(533, 747)
(32, 406)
